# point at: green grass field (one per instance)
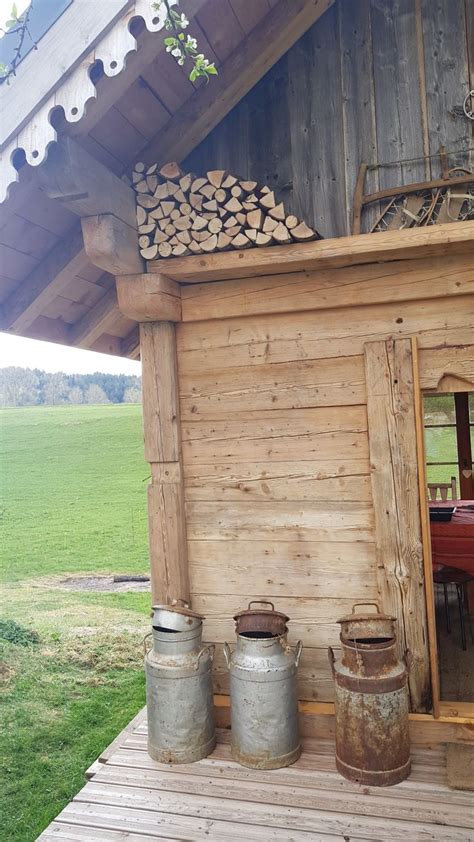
(73, 500)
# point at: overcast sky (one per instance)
(6, 7)
(31, 353)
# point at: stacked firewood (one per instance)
(179, 213)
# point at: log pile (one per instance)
(179, 213)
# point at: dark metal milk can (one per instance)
(372, 739)
(264, 702)
(179, 692)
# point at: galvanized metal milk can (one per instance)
(372, 739)
(179, 687)
(264, 703)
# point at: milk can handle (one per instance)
(331, 658)
(357, 604)
(261, 602)
(209, 648)
(144, 642)
(298, 651)
(227, 654)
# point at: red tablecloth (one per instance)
(452, 542)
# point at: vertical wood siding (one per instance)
(372, 80)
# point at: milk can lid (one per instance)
(253, 612)
(363, 616)
(174, 608)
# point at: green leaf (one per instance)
(212, 70)
(170, 42)
(181, 36)
(14, 11)
(194, 74)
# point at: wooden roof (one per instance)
(140, 104)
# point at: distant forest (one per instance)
(32, 387)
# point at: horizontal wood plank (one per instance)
(343, 478)
(331, 382)
(440, 367)
(264, 339)
(308, 433)
(329, 289)
(287, 521)
(317, 570)
(433, 241)
(255, 787)
(300, 819)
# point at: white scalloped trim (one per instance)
(77, 90)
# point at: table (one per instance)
(452, 542)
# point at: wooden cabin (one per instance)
(282, 386)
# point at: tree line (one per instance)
(32, 387)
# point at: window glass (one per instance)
(439, 410)
(440, 438)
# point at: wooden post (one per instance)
(425, 531)
(394, 477)
(166, 515)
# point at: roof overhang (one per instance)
(140, 106)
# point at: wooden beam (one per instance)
(254, 56)
(96, 321)
(83, 185)
(425, 530)
(317, 720)
(437, 240)
(26, 303)
(130, 345)
(394, 478)
(161, 424)
(149, 298)
(111, 244)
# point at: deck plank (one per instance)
(301, 787)
(300, 775)
(269, 814)
(132, 797)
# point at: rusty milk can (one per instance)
(372, 739)
(179, 696)
(264, 702)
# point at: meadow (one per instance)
(73, 500)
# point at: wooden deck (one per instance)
(131, 797)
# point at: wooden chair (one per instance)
(443, 488)
(451, 576)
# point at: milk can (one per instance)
(179, 687)
(264, 703)
(372, 739)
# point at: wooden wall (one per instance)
(274, 435)
(372, 81)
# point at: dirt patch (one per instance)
(6, 672)
(99, 583)
(103, 652)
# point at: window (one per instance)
(449, 441)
